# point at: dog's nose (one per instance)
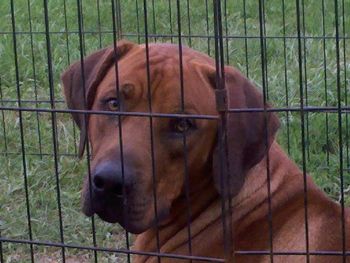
(108, 179)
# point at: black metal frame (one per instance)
(53, 106)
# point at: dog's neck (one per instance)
(264, 183)
(206, 205)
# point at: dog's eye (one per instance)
(113, 104)
(182, 125)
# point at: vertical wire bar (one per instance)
(325, 80)
(1, 251)
(82, 53)
(119, 19)
(34, 76)
(3, 119)
(148, 72)
(340, 138)
(170, 22)
(285, 72)
(23, 150)
(68, 63)
(245, 38)
(154, 21)
(54, 125)
(66, 30)
(306, 94)
(222, 137)
(2, 112)
(137, 22)
(120, 128)
(265, 50)
(207, 24)
(99, 23)
(189, 23)
(265, 93)
(302, 118)
(184, 139)
(345, 88)
(226, 33)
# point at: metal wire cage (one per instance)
(295, 51)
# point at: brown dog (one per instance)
(123, 186)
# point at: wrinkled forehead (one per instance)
(155, 65)
(161, 72)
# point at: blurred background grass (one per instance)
(242, 49)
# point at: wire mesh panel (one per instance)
(295, 52)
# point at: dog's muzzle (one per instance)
(108, 180)
(107, 192)
(113, 195)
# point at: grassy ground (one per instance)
(320, 87)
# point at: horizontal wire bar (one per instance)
(309, 108)
(134, 252)
(101, 249)
(114, 113)
(75, 155)
(173, 35)
(328, 109)
(316, 109)
(30, 101)
(293, 253)
(40, 154)
(238, 37)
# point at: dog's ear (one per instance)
(80, 85)
(249, 134)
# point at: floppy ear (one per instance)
(249, 134)
(80, 85)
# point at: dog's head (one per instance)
(138, 158)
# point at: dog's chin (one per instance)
(135, 222)
(109, 217)
(130, 224)
(135, 227)
(140, 225)
(104, 212)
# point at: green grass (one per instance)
(322, 154)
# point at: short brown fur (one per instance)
(247, 156)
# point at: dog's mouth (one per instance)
(133, 215)
(109, 210)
